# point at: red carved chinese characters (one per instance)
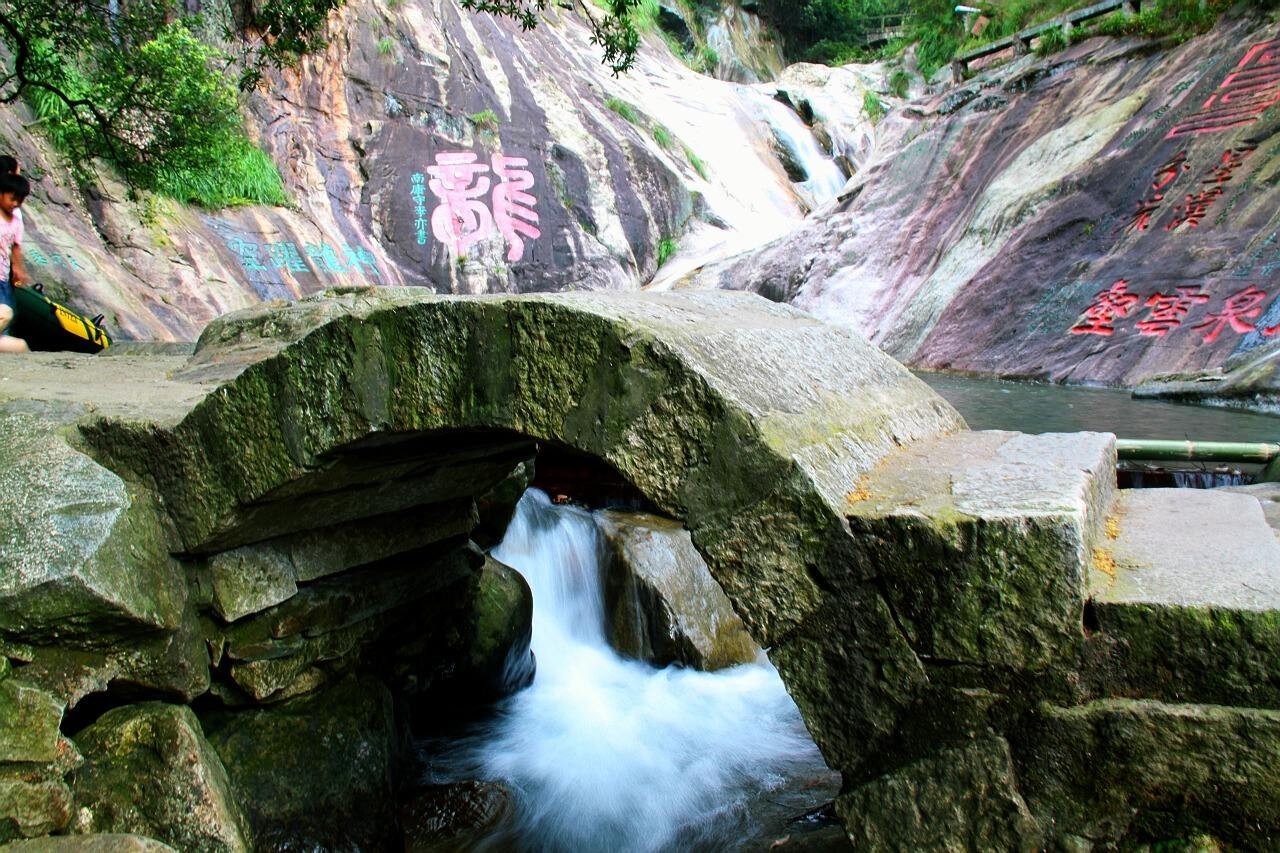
(1231, 160)
(1168, 310)
(1107, 305)
(1249, 89)
(1168, 172)
(1240, 307)
(1194, 208)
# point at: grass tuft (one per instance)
(623, 109)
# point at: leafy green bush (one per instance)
(708, 59)
(243, 174)
(176, 126)
(899, 83)
(873, 107)
(623, 109)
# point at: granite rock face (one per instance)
(1043, 219)
(350, 126)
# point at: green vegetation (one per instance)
(623, 109)
(696, 162)
(137, 86)
(161, 113)
(616, 33)
(662, 136)
(899, 83)
(873, 107)
(386, 46)
(1051, 41)
(486, 120)
(666, 248)
(709, 59)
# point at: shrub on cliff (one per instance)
(132, 85)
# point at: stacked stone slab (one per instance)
(931, 596)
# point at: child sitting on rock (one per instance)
(13, 192)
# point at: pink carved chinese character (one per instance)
(461, 218)
(1169, 310)
(1240, 307)
(1115, 301)
(512, 206)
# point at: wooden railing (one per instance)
(1021, 41)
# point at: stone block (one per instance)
(1191, 602)
(100, 843)
(980, 541)
(1121, 771)
(86, 555)
(961, 798)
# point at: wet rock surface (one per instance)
(662, 604)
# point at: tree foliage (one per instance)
(129, 82)
(614, 31)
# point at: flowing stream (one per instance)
(604, 753)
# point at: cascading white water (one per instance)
(604, 753)
(825, 177)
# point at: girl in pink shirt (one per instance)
(13, 192)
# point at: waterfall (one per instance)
(823, 178)
(604, 753)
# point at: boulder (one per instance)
(273, 654)
(315, 772)
(661, 603)
(149, 770)
(86, 554)
(453, 817)
(29, 721)
(475, 648)
(32, 803)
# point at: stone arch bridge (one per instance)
(992, 646)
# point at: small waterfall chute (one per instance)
(604, 753)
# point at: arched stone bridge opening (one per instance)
(747, 421)
(921, 589)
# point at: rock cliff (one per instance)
(1105, 214)
(582, 180)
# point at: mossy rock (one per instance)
(315, 772)
(149, 771)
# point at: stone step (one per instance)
(1187, 586)
(981, 542)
